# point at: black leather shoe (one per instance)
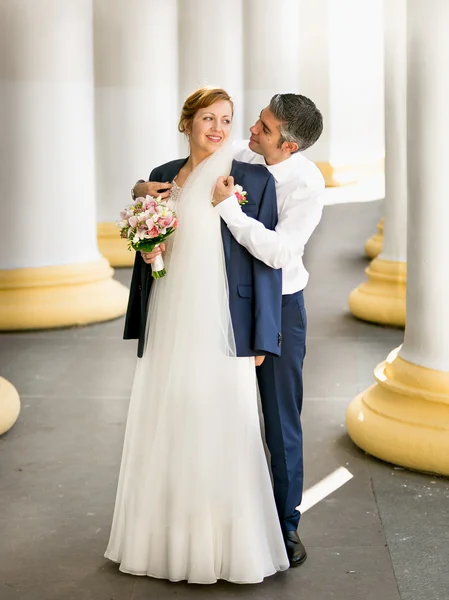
(295, 549)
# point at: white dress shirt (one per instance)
(299, 189)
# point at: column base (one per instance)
(9, 405)
(60, 296)
(338, 175)
(374, 245)
(382, 298)
(404, 418)
(113, 247)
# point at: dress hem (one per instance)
(191, 581)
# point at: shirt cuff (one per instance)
(230, 210)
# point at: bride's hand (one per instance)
(150, 257)
(259, 360)
(223, 189)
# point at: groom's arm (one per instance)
(301, 213)
(151, 188)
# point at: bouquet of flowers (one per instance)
(146, 223)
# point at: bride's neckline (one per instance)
(174, 182)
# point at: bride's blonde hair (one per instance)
(202, 98)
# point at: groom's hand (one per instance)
(223, 189)
(152, 188)
(259, 360)
(150, 257)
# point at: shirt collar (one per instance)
(282, 170)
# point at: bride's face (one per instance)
(211, 127)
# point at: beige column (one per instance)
(211, 50)
(51, 273)
(374, 244)
(136, 105)
(381, 299)
(274, 67)
(9, 405)
(341, 69)
(404, 417)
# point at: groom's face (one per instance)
(265, 137)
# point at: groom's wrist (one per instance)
(133, 190)
(229, 209)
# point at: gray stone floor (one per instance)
(382, 536)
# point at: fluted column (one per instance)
(137, 108)
(382, 298)
(211, 50)
(341, 69)
(404, 417)
(9, 405)
(51, 273)
(270, 68)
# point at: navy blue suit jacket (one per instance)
(255, 290)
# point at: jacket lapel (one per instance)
(225, 233)
(170, 170)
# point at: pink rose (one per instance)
(154, 232)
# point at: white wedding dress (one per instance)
(194, 499)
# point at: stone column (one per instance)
(9, 405)
(137, 108)
(51, 273)
(374, 244)
(341, 70)
(404, 417)
(382, 298)
(272, 67)
(211, 50)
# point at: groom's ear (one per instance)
(290, 147)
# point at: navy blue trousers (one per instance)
(281, 391)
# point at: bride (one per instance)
(194, 499)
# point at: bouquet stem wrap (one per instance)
(158, 268)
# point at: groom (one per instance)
(290, 124)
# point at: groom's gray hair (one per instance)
(302, 122)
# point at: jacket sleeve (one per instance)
(139, 291)
(301, 214)
(132, 318)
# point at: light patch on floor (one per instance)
(324, 488)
